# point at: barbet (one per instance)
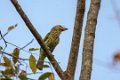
(51, 40)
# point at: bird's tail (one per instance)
(40, 64)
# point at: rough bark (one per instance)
(38, 38)
(75, 40)
(87, 55)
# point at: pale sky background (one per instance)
(44, 14)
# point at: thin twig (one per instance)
(18, 47)
(12, 55)
(3, 40)
(27, 44)
(4, 35)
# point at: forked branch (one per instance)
(87, 55)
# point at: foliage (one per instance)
(12, 62)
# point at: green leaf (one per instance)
(16, 55)
(32, 63)
(7, 61)
(1, 48)
(45, 66)
(45, 75)
(34, 49)
(23, 75)
(12, 27)
(8, 73)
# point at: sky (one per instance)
(44, 14)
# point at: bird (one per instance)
(51, 40)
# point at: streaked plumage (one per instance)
(51, 40)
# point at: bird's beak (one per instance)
(64, 29)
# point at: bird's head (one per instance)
(59, 28)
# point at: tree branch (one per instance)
(38, 38)
(3, 52)
(27, 44)
(3, 40)
(76, 39)
(17, 47)
(87, 55)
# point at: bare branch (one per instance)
(18, 47)
(27, 44)
(87, 55)
(4, 35)
(76, 39)
(38, 37)
(3, 40)
(2, 52)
